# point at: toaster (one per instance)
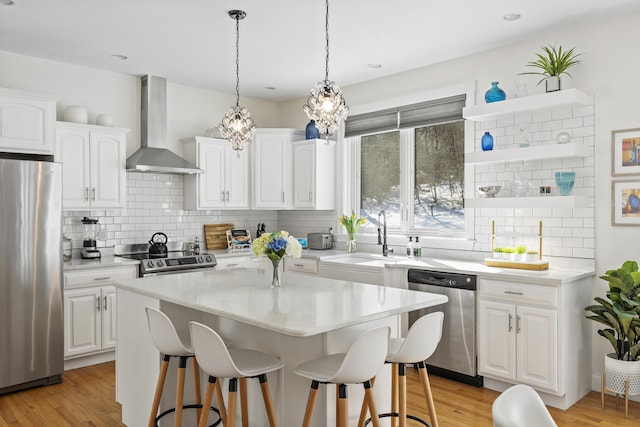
(320, 241)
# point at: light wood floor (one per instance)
(86, 397)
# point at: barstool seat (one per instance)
(166, 340)
(218, 361)
(420, 343)
(358, 365)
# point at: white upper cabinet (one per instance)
(273, 169)
(27, 122)
(314, 167)
(224, 184)
(93, 166)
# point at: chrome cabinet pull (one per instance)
(310, 195)
(105, 303)
(517, 324)
(510, 319)
(232, 265)
(228, 195)
(222, 195)
(98, 302)
(86, 193)
(93, 191)
(102, 278)
(283, 197)
(513, 292)
(298, 265)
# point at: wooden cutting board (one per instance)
(216, 235)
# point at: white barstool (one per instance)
(358, 365)
(166, 340)
(420, 343)
(520, 406)
(233, 363)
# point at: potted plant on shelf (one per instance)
(620, 313)
(552, 63)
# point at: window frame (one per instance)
(350, 200)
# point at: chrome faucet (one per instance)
(382, 237)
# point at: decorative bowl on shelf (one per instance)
(489, 191)
(565, 181)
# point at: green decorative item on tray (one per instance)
(552, 63)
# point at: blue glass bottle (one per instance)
(494, 94)
(311, 131)
(487, 142)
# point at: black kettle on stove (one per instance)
(158, 245)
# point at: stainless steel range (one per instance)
(175, 260)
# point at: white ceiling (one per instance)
(192, 42)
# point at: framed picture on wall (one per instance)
(625, 154)
(625, 202)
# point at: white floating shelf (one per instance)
(527, 202)
(550, 151)
(498, 109)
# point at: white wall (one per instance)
(609, 71)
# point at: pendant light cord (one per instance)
(237, 60)
(326, 72)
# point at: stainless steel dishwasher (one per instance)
(456, 355)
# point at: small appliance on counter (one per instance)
(320, 241)
(89, 244)
(261, 229)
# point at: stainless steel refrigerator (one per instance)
(31, 309)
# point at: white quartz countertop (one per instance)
(102, 262)
(304, 305)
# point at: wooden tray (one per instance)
(216, 235)
(523, 265)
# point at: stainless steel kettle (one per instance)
(158, 245)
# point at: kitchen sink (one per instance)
(364, 260)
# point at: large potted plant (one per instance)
(552, 63)
(620, 313)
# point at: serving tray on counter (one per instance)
(523, 265)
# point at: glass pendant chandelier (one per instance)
(237, 125)
(326, 105)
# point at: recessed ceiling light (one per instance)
(7, 2)
(119, 57)
(511, 16)
(374, 66)
(269, 88)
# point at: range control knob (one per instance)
(150, 264)
(160, 263)
(207, 258)
(200, 260)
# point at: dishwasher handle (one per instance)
(437, 278)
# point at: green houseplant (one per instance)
(620, 313)
(552, 63)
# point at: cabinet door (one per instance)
(109, 317)
(211, 183)
(107, 170)
(81, 321)
(272, 171)
(73, 152)
(304, 173)
(497, 340)
(537, 347)
(27, 122)
(237, 178)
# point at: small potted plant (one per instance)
(509, 253)
(620, 313)
(497, 252)
(552, 63)
(521, 251)
(532, 256)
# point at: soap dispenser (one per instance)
(417, 248)
(410, 248)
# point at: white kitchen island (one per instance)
(305, 318)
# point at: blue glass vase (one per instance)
(487, 142)
(311, 131)
(494, 94)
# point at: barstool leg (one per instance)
(196, 385)
(233, 391)
(311, 403)
(426, 387)
(368, 396)
(365, 406)
(220, 398)
(159, 386)
(243, 402)
(202, 419)
(268, 402)
(343, 406)
(402, 394)
(180, 391)
(394, 393)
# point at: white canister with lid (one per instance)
(104, 120)
(76, 114)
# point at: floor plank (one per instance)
(86, 397)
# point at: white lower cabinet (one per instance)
(519, 344)
(90, 309)
(301, 265)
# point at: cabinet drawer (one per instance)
(302, 265)
(520, 293)
(232, 262)
(98, 276)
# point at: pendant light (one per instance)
(326, 105)
(237, 125)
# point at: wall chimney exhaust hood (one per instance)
(152, 155)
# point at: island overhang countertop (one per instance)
(303, 306)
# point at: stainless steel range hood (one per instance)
(152, 155)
